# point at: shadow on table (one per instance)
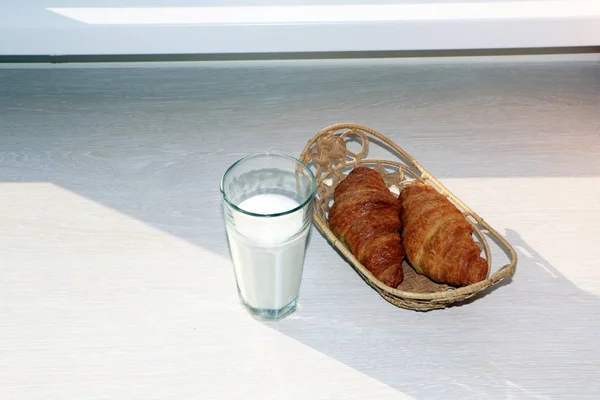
(532, 338)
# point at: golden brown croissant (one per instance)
(438, 239)
(365, 217)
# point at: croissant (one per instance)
(438, 238)
(365, 216)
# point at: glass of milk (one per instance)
(267, 199)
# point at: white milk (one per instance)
(268, 264)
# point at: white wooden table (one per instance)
(115, 277)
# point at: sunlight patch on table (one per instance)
(554, 223)
(106, 300)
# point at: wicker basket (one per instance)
(330, 158)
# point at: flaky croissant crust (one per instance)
(438, 239)
(365, 216)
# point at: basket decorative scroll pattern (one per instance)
(327, 154)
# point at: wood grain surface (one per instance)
(115, 276)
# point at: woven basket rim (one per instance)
(452, 295)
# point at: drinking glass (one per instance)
(267, 201)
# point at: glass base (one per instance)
(272, 315)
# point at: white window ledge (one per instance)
(40, 29)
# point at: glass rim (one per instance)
(308, 199)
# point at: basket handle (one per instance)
(504, 272)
